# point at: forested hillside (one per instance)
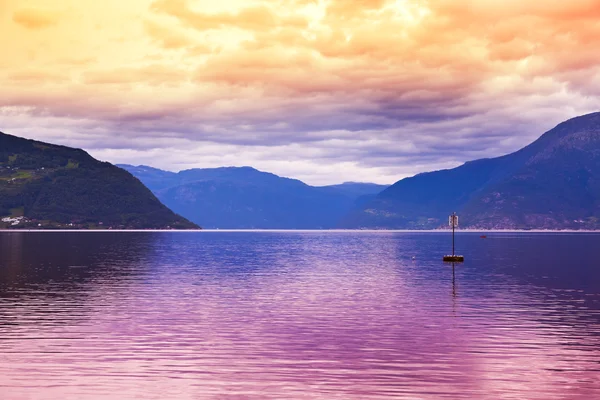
(48, 186)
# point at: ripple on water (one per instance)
(297, 315)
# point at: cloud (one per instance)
(37, 76)
(376, 89)
(167, 37)
(251, 18)
(35, 18)
(154, 74)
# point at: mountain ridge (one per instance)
(424, 200)
(246, 198)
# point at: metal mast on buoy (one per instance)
(453, 222)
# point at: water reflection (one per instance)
(297, 315)
(28, 259)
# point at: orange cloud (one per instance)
(149, 75)
(38, 77)
(33, 18)
(167, 37)
(406, 71)
(255, 18)
(351, 9)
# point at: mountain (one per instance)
(153, 178)
(357, 189)
(49, 186)
(245, 198)
(362, 192)
(554, 183)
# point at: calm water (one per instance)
(298, 316)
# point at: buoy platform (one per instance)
(454, 258)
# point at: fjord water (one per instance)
(298, 315)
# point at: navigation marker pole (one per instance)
(453, 222)
(452, 217)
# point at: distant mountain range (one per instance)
(554, 183)
(245, 198)
(48, 186)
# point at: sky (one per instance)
(325, 91)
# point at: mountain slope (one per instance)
(552, 183)
(153, 178)
(245, 198)
(49, 186)
(558, 187)
(362, 192)
(357, 189)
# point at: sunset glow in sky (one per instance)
(325, 91)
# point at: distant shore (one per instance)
(302, 230)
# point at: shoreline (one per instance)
(299, 230)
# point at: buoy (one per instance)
(454, 258)
(453, 222)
